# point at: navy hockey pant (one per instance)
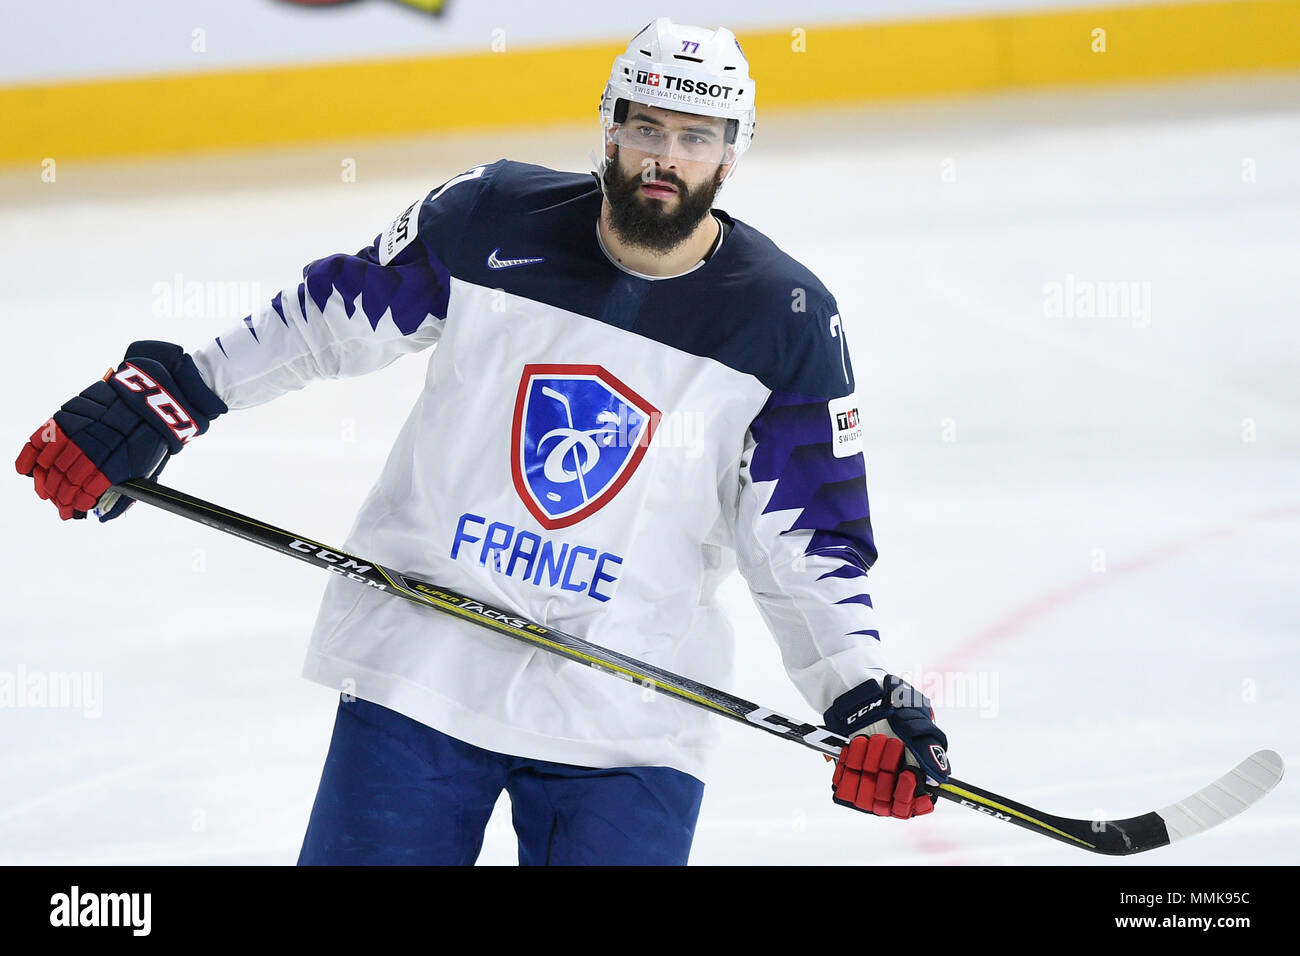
(397, 792)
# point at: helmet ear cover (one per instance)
(620, 117)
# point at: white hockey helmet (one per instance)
(687, 69)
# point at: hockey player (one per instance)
(631, 394)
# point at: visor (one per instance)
(679, 136)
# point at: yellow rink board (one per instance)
(823, 64)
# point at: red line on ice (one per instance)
(1015, 621)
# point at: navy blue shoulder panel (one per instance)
(532, 233)
(446, 210)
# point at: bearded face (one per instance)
(653, 207)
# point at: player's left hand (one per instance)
(896, 754)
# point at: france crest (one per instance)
(578, 435)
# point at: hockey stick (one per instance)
(1224, 798)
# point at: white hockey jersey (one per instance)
(593, 448)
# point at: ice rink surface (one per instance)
(1088, 518)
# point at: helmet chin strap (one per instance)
(730, 170)
(599, 170)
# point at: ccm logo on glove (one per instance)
(164, 406)
(123, 427)
(854, 718)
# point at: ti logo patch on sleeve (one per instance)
(846, 426)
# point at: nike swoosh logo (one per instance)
(494, 263)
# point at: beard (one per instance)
(646, 223)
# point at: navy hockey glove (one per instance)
(119, 429)
(895, 753)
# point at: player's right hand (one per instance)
(871, 776)
(119, 429)
(896, 755)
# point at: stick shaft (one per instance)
(1119, 837)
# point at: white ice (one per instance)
(1093, 521)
